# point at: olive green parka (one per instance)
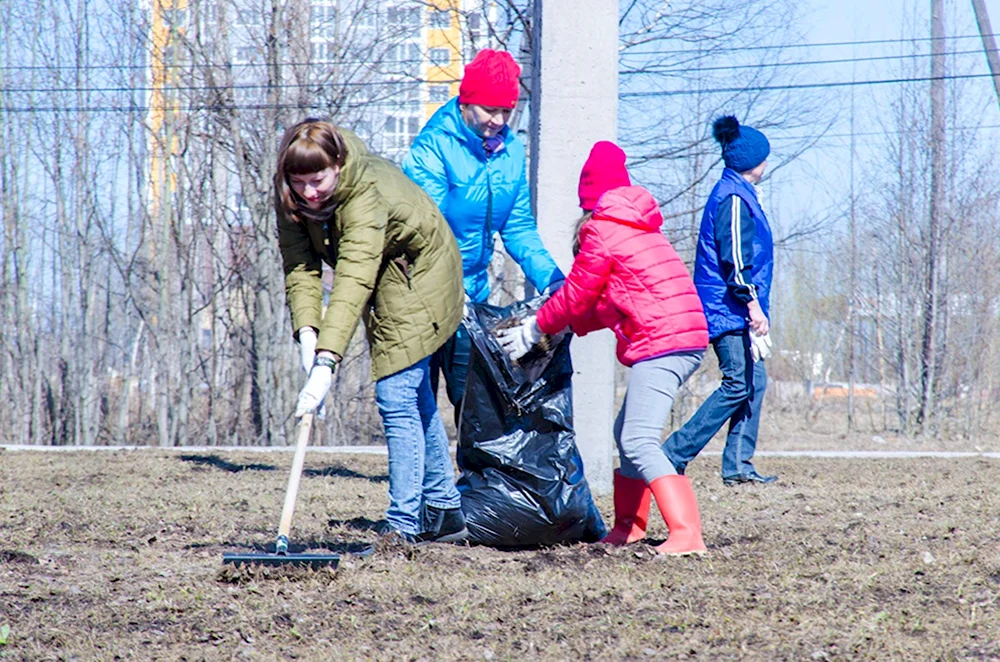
(396, 265)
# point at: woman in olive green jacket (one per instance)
(398, 269)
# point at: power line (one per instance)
(248, 86)
(221, 65)
(849, 60)
(779, 47)
(710, 51)
(144, 108)
(868, 134)
(625, 95)
(417, 82)
(206, 88)
(797, 86)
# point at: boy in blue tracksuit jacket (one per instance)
(473, 167)
(732, 272)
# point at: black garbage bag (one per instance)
(522, 481)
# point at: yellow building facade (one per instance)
(444, 33)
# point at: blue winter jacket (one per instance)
(735, 255)
(480, 195)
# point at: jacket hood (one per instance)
(448, 119)
(629, 205)
(353, 164)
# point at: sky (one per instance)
(820, 177)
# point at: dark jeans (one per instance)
(738, 400)
(452, 359)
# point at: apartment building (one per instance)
(380, 67)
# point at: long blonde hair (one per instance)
(310, 146)
(587, 215)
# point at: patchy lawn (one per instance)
(117, 555)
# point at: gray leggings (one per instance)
(652, 386)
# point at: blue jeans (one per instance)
(420, 469)
(738, 400)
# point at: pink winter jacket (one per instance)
(628, 278)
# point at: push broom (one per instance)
(281, 556)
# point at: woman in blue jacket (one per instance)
(472, 165)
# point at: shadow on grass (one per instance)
(312, 546)
(226, 465)
(337, 471)
(17, 556)
(340, 471)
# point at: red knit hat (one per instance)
(603, 171)
(490, 80)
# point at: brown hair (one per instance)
(309, 146)
(587, 215)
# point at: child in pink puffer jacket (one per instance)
(627, 277)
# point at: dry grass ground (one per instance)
(107, 556)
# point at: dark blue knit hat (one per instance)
(743, 147)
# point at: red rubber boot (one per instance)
(675, 498)
(632, 497)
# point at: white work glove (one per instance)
(518, 340)
(466, 308)
(307, 347)
(314, 392)
(760, 347)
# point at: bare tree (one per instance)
(925, 309)
(142, 284)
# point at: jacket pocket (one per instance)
(405, 265)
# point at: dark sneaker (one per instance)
(387, 533)
(443, 525)
(750, 477)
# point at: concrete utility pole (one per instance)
(989, 43)
(574, 103)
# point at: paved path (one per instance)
(873, 454)
(381, 450)
(335, 450)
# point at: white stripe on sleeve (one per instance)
(735, 227)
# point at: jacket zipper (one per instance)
(331, 253)
(487, 238)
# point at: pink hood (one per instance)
(630, 205)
